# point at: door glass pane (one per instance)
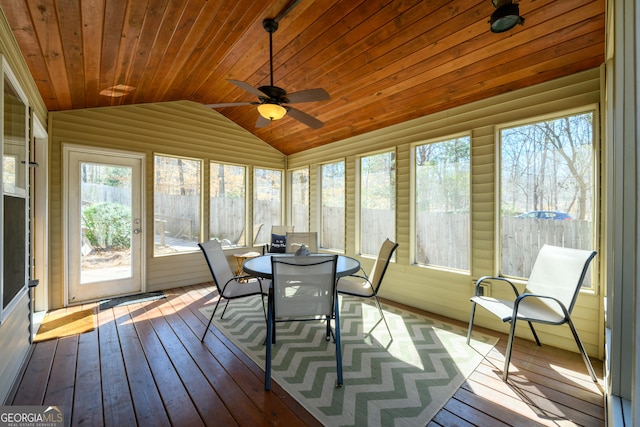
(105, 206)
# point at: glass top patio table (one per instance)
(261, 266)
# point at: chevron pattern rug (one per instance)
(402, 381)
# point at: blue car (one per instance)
(546, 215)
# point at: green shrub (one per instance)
(107, 225)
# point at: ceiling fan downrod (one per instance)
(270, 25)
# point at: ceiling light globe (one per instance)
(272, 111)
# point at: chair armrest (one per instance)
(520, 298)
(245, 276)
(360, 276)
(261, 288)
(495, 278)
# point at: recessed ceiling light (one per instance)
(117, 91)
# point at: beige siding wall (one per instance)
(14, 345)
(175, 128)
(446, 292)
(14, 331)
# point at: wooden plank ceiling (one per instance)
(382, 61)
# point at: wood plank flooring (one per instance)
(144, 365)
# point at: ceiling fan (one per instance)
(273, 101)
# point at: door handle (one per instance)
(136, 221)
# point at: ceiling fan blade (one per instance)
(308, 95)
(247, 87)
(304, 118)
(229, 104)
(262, 122)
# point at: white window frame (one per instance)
(594, 289)
(290, 195)
(358, 183)
(201, 225)
(413, 202)
(266, 230)
(7, 72)
(320, 205)
(248, 237)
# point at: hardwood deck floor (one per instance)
(145, 365)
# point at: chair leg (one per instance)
(583, 352)
(338, 343)
(328, 337)
(375, 298)
(473, 314)
(210, 319)
(263, 309)
(534, 334)
(507, 356)
(270, 337)
(225, 309)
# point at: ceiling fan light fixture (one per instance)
(272, 111)
(505, 17)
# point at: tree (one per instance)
(548, 166)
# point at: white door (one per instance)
(104, 223)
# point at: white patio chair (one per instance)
(297, 239)
(367, 286)
(303, 288)
(229, 286)
(549, 296)
(278, 239)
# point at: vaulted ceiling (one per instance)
(382, 61)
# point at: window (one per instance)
(300, 199)
(9, 169)
(333, 206)
(176, 205)
(267, 202)
(227, 210)
(377, 201)
(442, 199)
(546, 189)
(13, 225)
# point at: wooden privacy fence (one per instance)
(522, 239)
(333, 228)
(443, 239)
(226, 220)
(176, 217)
(100, 193)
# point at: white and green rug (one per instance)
(404, 381)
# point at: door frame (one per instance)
(66, 150)
(40, 215)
